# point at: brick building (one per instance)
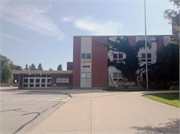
(89, 68)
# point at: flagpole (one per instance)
(146, 45)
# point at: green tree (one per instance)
(6, 70)
(166, 69)
(174, 17)
(59, 67)
(40, 67)
(32, 67)
(131, 63)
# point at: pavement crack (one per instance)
(21, 127)
(56, 104)
(17, 110)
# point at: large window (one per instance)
(143, 57)
(43, 80)
(32, 80)
(85, 57)
(117, 57)
(117, 77)
(26, 75)
(25, 80)
(85, 75)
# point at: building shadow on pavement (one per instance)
(171, 127)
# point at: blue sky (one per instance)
(42, 31)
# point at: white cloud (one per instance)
(10, 37)
(31, 18)
(68, 19)
(99, 27)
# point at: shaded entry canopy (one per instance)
(42, 72)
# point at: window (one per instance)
(43, 80)
(88, 75)
(85, 75)
(25, 85)
(31, 80)
(43, 75)
(37, 80)
(48, 85)
(88, 56)
(26, 75)
(31, 75)
(37, 75)
(117, 57)
(86, 66)
(31, 85)
(42, 85)
(37, 85)
(48, 80)
(48, 75)
(143, 59)
(25, 80)
(85, 57)
(117, 77)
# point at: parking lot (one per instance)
(23, 109)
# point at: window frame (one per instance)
(143, 57)
(117, 78)
(116, 57)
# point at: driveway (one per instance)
(103, 112)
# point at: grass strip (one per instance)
(167, 98)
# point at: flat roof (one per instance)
(118, 35)
(42, 72)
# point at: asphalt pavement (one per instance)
(21, 110)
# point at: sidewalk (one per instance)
(102, 112)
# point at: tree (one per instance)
(59, 67)
(131, 64)
(166, 69)
(40, 67)
(26, 67)
(32, 67)
(6, 70)
(174, 17)
(50, 69)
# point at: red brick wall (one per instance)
(54, 76)
(132, 40)
(76, 61)
(99, 62)
(20, 81)
(69, 65)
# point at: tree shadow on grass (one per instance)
(171, 127)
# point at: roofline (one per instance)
(42, 72)
(116, 35)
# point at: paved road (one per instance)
(23, 109)
(101, 112)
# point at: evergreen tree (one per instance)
(59, 67)
(40, 67)
(50, 69)
(32, 67)
(26, 67)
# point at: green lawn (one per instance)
(168, 98)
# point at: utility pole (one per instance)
(146, 45)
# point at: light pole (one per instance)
(146, 45)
